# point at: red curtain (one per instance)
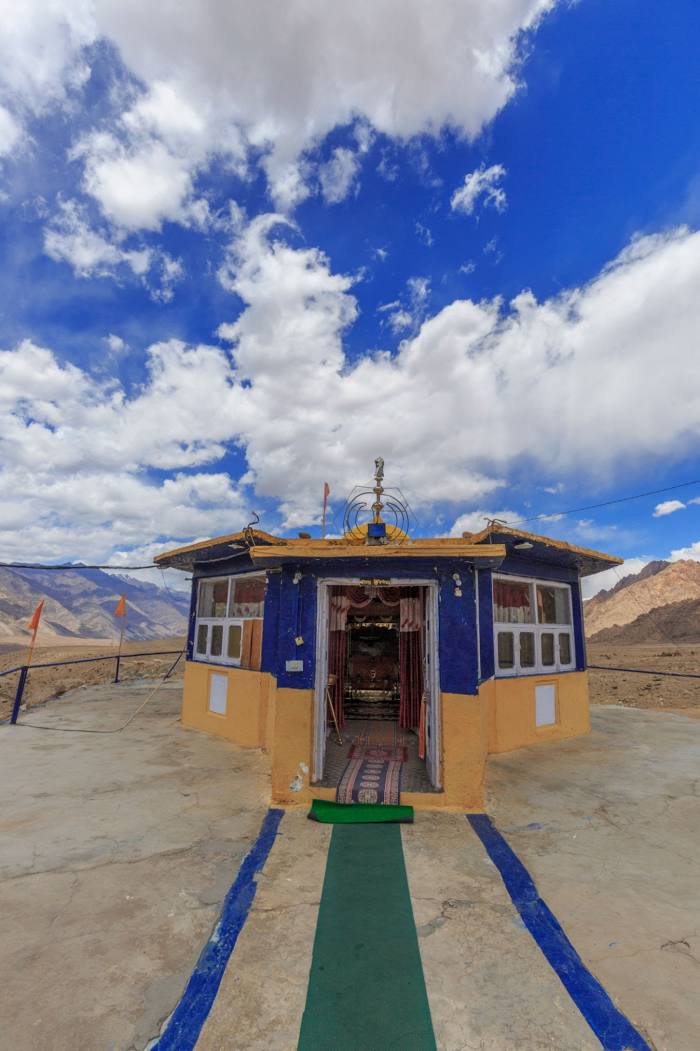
(410, 605)
(410, 658)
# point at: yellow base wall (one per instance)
(510, 705)
(500, 719)
(250, 694)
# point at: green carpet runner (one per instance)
(359, 813)
(366, 988)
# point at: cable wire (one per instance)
(608, 503)
(117, 729)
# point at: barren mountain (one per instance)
(676, 622)
(658, 584)
(79, 603)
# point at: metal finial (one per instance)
(375, 514)
(378, 506)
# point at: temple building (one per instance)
(440, 650)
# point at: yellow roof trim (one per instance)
(336, 549)
(496, 529)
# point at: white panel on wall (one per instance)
(545, 705)
(218, 688)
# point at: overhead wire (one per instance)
(608, 503)
(116, 729)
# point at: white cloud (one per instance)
(140, 188)
(590, 586)
(482, 183)
(116, 344)
(218, 80)
(41, 50)
(574, 384)
(338, 175)
(69, 238)
(667, 507)
(10, 132)
(476, 387)
(281, 77)
(87, 447)
(691, 551)
(405, 315)
(475, 521)
(91, 252)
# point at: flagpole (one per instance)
(34, 625)
(326, 492)
(120, 611)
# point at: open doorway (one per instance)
(376, 673)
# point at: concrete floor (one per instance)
(609, 827)
(117, 851)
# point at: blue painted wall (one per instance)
(527, 567)
(290, 612)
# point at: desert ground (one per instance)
(45, 683)
(629, 690)
(646, 691)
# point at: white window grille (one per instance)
(223, 606)
(532, 626)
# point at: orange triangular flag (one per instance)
(33, 624)
(120, 608)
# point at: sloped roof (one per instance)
(218, 548)
(545, 548)
(487, 548)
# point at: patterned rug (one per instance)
(370, 781)
(387, 753)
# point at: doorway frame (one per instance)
(318, 751)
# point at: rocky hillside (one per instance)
(79, 603)
(659, 586)
(677, 622)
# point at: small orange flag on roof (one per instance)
(33, 624)
(120, 608)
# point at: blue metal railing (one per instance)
(24, 670)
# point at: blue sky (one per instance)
(247, 251)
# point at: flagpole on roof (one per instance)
(326, 494)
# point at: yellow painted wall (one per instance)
(510, 710)
(250, 695)
(500, 719)
(292, 744)
(464, 741)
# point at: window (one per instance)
(547, 648)
(506, 653)
(527, 649)
(539, 618)
(224, 607)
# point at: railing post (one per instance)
(20, 690)
(116, 676)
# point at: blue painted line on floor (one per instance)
(615, 1032)
(185, 1023)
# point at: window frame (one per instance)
(535, 628)
(226, 622)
